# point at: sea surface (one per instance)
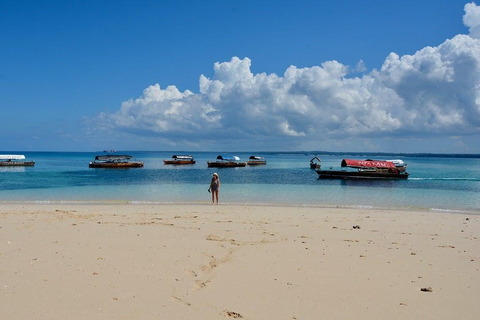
(436, 182)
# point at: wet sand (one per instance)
(250, 262)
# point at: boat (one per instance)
(15, 160)
(226, 162)
(364, 169)
(256, 160)
(399, 164)
(115, 161)
(180, 159)
(315, 163)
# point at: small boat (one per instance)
(227, 162)
(364, 169)
(180, 159)
(15, 160)
(256, 160)
(115, 161)
(315, 163)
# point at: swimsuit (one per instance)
(214, 185)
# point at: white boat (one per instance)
(226, 162)
(14, 160)
(256, 160)
(180, 159)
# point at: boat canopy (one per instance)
(257, 158)
(12, 157)
(398, 162)
(228, 158)
(115, 157)
(182, 157)
(367, 164)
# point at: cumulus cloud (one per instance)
(435, 91)
(471, 19)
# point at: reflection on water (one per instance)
(12, 169)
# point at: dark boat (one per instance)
(15, 160)
(315, 163)
(115, 161)
(226, 162)
(256, 160)
(180, 159)
(364, 169)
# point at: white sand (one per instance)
(250, 262)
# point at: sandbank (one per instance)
(73, 261)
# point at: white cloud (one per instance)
(435, 91)
(471, 19)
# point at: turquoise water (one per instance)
(439, 182)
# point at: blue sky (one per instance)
(240, 75)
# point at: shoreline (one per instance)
(240, 204)
(177, 261)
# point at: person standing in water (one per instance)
(214, 187)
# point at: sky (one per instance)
(339, 76)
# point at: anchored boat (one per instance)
(256, 160)
(180, 159)
(15, 160)
(115, 161)
(226, 162)
(365, 169)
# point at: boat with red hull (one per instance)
(366, 169)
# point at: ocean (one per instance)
(436, 182)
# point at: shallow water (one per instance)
(441, 182)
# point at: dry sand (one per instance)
(251, 262)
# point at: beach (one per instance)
(198, 261)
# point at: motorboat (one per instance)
(226, 162)
(364, 169)
(180, 159)
(15, 160)
(115, 161)
(256, 160)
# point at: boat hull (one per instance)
(340, 174)
(179, 162)
(17, 163)
(116, 165)
(256, 163)
(215, 164)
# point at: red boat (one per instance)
(364, 169)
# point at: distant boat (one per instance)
(226, 162)
(180, 159)
(256, 160)
(364, 169)
(110, 150)
(115, 161)
(11, 160)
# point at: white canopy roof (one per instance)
(12, 157)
